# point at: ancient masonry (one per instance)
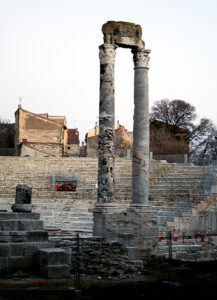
(24, 243)
(138, 216)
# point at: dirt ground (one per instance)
(187, 279)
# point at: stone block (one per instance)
(23, 194)
(18, 236)
(54, 256)
(5, 237)
(53, 271)
(22, 208)
(54, 263)
(19, 216)
(3, 263)
(20, 225)
(132, 252)
(19, 262)
(126, 239)
(37, 236)
(5, 250)
(17, 249)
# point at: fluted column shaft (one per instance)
(106, 184)
(140, 157)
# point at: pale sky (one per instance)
(49, 56)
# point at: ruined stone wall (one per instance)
(92, 146)
(74, 150)
(46, 149)
(107, 260)
(123, 141)
(162, 141)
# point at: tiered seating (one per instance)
(172, 188)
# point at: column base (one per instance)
(139, 207)
(100, 213)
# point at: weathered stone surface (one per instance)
(54, 256)
(19, 216)
(54, 262)
(22, 208)
(123, 34)
(132, 252)
(20, 225)
(106, 183)
(23, 194)
(107, 260)
(56, 271)
(140, 157)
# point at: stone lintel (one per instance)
(123, 34)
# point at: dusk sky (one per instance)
(49, 56)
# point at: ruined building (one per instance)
(164, 139)
(73, 142)
(123, 141)
(40, 134)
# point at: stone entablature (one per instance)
(123, 34)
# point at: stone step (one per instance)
(19, 216)
(54, 262)
(23, 236)
(20, 225)
(21, 249)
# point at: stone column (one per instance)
(106, 183)
(140, 157)
(106, 186)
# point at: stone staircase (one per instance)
(170, 185)
(176, 193)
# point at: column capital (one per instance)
(141, 58)
(107, 53)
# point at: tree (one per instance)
(3, 123)
(204, 143)
(176, 112)
(7, 132)
(201, 137)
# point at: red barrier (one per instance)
(22, 283)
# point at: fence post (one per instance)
(54, 186)
(185, 159)
(170, 255)
(77, 271)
